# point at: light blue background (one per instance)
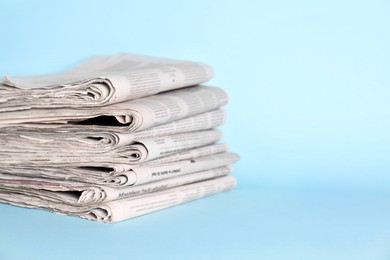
(309, 114)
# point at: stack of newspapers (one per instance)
(113, 138)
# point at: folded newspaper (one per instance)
(113, 138)
(101, 80)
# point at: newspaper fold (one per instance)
(131, 176)
(108, 174)
(122, 209)
(134, 153)
(134, 115)
(76, 194)
(62, 138)
(101, 80)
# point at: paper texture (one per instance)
(132, 115)
(122, 209)
(77, 194)
(111, 174)
(101, 80)
(113, 138)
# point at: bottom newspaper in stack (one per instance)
(120, 191)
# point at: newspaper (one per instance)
(134, 115)
(141, 150)
(73, 193)
(104, 173)
(101, 80)
(113, 138)
(132, 176)
(122, 209)
(61, 139)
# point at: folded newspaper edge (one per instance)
(122, 209)
(101, 80)
(140, 151)
(72, 191)
(134, 115)
(77, 194)
(65, 137)
(117, 175)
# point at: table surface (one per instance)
(249, 222)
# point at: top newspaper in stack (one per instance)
(101, 80)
